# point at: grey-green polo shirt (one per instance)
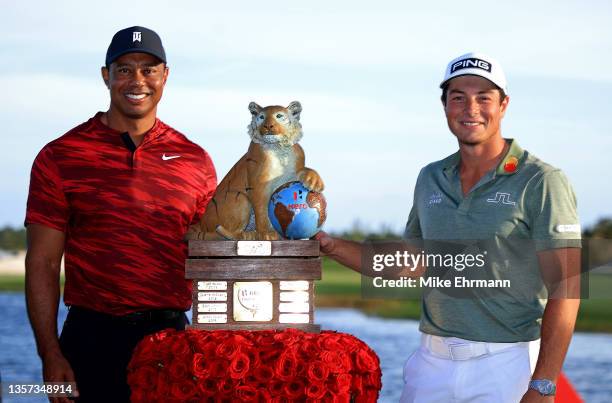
(522, 200)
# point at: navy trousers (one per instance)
(99, 346)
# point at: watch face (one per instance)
(548, 388)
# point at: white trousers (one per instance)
(499, 376)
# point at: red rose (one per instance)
(246, 393)
(179, 370)
(275, 387)
(316, 391)
(201, 369)
(207, 387)
(179, 348)
(218, 368)
(286, 366)
(184, 390)
(341, 383)
(263, 373)
(309, 350)
(366, 360)
(331, 360)
(239, 366)
(317, 372)
(294, 389)
(226, 349)
(225, 387)
(270, 355)
(331, 342)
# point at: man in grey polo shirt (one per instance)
(524, 211)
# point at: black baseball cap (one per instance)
(135, 40)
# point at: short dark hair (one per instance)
(502, 94)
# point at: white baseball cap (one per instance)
(476, 64)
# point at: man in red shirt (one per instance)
(114, 196)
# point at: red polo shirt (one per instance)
(124, 210)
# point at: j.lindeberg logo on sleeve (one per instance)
(501, 197)
(471, 62)
(573, 228)
(136, 36)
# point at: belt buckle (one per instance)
(457, 351)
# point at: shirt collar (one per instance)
(508, 165)
(154, 132)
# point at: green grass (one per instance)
(16, 282)
(12, 282)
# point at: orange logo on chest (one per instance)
(511, 164)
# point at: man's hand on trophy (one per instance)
(326, 242)
(311, 179)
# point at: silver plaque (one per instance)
(212, 285)
(212, 296)
(294, 296)
(294, 318)
(300, 285)
(212, 318)
(254, 248)
(253, 301)
(293, 307)
(218, 307)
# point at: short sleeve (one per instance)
(554, 215)
(208, 187)
(413, 226)
(47, 204)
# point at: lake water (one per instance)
(588, 363)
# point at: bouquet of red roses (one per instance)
(257, 366)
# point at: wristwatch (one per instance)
(545, 387)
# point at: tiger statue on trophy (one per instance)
(239, 207)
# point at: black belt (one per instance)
(152, 315)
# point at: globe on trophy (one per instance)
(297, 212)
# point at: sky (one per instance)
(366, 74)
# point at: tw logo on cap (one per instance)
(471, 62)
(136, 36)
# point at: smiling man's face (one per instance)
(136, 82)
(474, 109)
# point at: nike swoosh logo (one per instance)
(169, 157)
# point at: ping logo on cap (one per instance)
(137, 36)
(471, 62)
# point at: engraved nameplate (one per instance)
(212, 296)
(212, 285)
(293, 307)
(294, 296)
(212, 318)
(300, 285)
(294, 318)
(219, 307)
(253, 301)
(254, 248)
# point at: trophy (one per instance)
(250, 259)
